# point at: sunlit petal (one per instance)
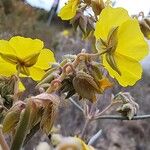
(109, 18)
(25, 47)
(45, 58)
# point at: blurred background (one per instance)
(38, 19)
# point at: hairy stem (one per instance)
(85, 127)
(117, 117)
(103, 111)
(31, 134)
(76, 104)
(22, 129)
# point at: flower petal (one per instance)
(69, 10)
(25, 47)
(7, 69)
(46, 56)
(109, 18)
(131, 41)
(36, 73)
(6, 48)
(84, 146)
(131, 70)
(21, 86)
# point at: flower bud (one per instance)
(49, 104)
(145, 27)
(128, 106)
(85, 23)
(85, 86)
(97, 6)
(127, 110)
(67, 86)
(73, 143)
(12, 117)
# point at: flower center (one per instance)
(108, 48)
(22, 64)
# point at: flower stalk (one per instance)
(22, 129)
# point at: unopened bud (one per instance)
(12, 117)
(97, 6)
(145, 27)
(85, 86)
(50, 104)
(128, 106)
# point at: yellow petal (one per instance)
(6, 48)
(105, 83)
(131, 41)
(46, 56)
(36, 73)
(131, 70)
(108, 19)
(21, 86)
(7, 69)
(69, 10)
(25, 47)
(84, 146)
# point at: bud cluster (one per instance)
(86, 22)
(145, 27)
(128, 106)
(80, 75)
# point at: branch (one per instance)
(22, 129)
(117, 117)
(76, 104)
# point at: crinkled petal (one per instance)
(69, 10)
(131, 42)
(7, 69)
(36, 73)
(109, 18)
(46, 56)
(25, 47)
(131, 70)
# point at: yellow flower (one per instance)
(24, 55)
(84, 146)
(73, 143)
(69, 10)
(120, 39)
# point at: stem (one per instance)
(32, 133)
(117, 117)
(85, 127)
(76, 104)
(3, 142)
(89, 118)
(16, 87)
(104, 110)
(22, 129)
